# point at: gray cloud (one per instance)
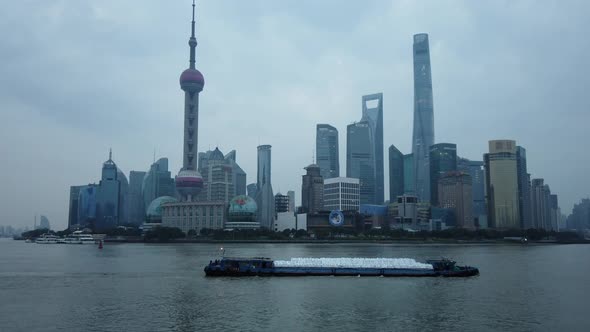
(79, 77)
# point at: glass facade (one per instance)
(423, 134)
(455, 192)
(396, 173)
(475, 170)
(502, 184)
(326, 147)
(264, 195)
(373, 115)
(359, 160)
(442, 159)
(312, 190)
(524, 189)
(409, 179)
(157, 182)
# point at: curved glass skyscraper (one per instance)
(423, 136)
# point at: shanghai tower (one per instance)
(188, 181)
(423, 136)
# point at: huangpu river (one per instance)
(162, 287)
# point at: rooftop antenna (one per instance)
(313, 156)
(110, 153)
(193, 40)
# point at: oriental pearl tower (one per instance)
(188, 181)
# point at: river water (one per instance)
(162, 287)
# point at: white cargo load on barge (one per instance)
(369, 263)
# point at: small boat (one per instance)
(385, 267)
(47, 239)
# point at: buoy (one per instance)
(100, 244)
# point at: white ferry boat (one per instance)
(78, 237)
(47, 239)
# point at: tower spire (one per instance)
(192, 42)
(110, 153)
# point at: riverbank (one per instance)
(351, 241)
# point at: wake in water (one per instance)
(378, 263)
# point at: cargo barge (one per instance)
(375, 267)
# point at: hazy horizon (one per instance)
(80, 77)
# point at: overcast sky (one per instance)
(78, 77)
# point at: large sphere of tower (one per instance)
(191, 80)
(189, 183)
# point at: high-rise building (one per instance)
(423, 135)
(110, 197)
(264, 196)
(475, 170)
(502, 184)
(409, 178)
(135, 203)
(312, 190)
(455, 192)
(373, 114)
(291, 195)
(217, 178)
(73, 209)
(442, 159)
(542, 205)
(555, 212)
(326, 146)
(281, 203)
(157, 182)
(188, 181)
(44, 222)
(87, 205)
(360, 160)
(239, 176)
(342, 194)
(252, 190)
(524, 189)
(396, 173)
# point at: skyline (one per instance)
(223, 101)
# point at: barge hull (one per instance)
(293, 272)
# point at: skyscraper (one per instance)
(110, 197)
(252, 190)
(502, 184)
(373, 114)
(475, 170)
(291, 195)
(239, 176)
(135, 203)
(396, 173)
(524, 190)
(264, 196)
(188, 181)
(326, 147)
(409, 178)
(217, 178)
(455, 192)
(442, 159)
(281, 203)
(541, 206)
(312, 190)
(157, 182)
(423, 135)
(73, 210)
(341, 194)
(360, 160)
